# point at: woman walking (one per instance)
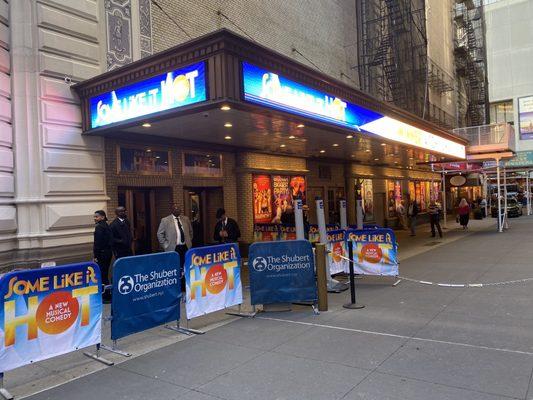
(464, 213)
(103, 240)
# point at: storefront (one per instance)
(223, 122)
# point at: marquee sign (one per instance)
(272, 90)
(173, 89)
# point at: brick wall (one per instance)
(323, 31)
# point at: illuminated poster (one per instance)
(435, 191)
(394, 196)
(262, 196)
(525, 117)
(47, 312)
(282, 198)
(162, 92)
(368, 200)
(298, 188)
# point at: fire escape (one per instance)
(470, 59)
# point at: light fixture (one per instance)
(322, 151)
(282, 145)
(411, 158)
(335, 145)
(376, 159)
(146, 125)
(383, 144)
(148, 150)
(158, 157)
(367, 150)
(300, 126)
(227, 137)
(292, 137)
(228, 124)
(225, 107)
(349, 136)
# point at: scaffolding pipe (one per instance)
(500, 226)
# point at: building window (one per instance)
(143, 161)
(203, 165)
(501, 112)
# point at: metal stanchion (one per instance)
(97, 356)
(186, 331)
(353, 305)
(114, 349)
(3, 391)
(321, 276)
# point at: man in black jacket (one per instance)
(122, 237)
(102, 249)
(226, 229)
(412, 212)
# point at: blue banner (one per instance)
(48, 312)
(170, 90)
(213, 278)
(282, 271)
(374, 251)
(146, 292)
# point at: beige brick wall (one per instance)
(323, 31)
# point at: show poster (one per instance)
(336, 251)
(147, 292)
(48, 312)
(298, 188)
(368, 200)
(262, 193)
(287, 232)
(213, 279)
(525, 116)
(282, 198)
(375, 251)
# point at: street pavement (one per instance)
(411, 341)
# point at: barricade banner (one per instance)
(314, 234)
(337, 249)
(374, 251)
(47, 312)
(213, 278)
(287, 232)
(282, 271)
(146, 292)
(265, 232)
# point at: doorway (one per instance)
(144, 207)
(201, 205)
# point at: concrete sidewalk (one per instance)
(410, 342)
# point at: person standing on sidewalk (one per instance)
(434, 218)
(402, 214)
(226, 229)
(464, 213)
(412, 212)
(122, 237)
(102, 249)
(175, 234)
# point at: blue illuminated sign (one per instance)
(163, 92)
(272, 90)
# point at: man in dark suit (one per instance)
(226, 229)
(122, 237)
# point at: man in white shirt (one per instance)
(175, 233)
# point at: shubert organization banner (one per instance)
(374, 251)
(48, 312)
(213, 278)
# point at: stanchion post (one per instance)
(3, 391)
(321, 278)
(353, 305)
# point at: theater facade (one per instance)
(221, 121)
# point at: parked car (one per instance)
(514, 208)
